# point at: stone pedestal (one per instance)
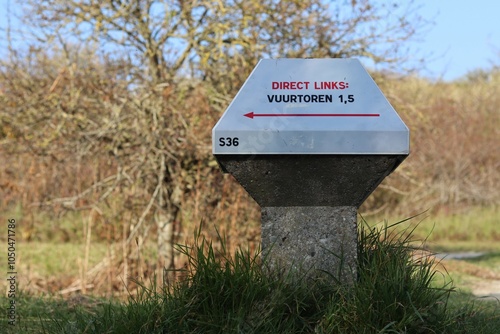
(318, 241)
(309, 205)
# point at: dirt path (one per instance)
(487, 288)
(480, 280)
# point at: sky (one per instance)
(465, 36)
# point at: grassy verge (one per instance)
(396, 292)
(35, 312)
(474, 229)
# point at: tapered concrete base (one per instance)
(311, 240)
(309, 180)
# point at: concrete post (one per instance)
(320, 241)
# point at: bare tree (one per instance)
(196, 37)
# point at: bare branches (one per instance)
(170, 36)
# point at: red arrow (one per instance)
(252, 115)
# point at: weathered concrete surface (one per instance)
(311, 239)
(309, 180)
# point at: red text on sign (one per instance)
(331, 85)
(290, 84)
(319, 85)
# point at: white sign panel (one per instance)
(310, 106)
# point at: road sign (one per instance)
(310, 106)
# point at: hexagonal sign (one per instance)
(310, 106)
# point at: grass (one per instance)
(36, 225)
(34, 312)
(48, 257)
(223, 292)
(473, 315)
(70, 264)
(396, 292)
(475, 229)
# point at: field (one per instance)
(469, 281)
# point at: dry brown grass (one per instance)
(455, 132)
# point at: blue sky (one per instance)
(465, 36)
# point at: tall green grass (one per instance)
(397, 291)
(473, 229)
